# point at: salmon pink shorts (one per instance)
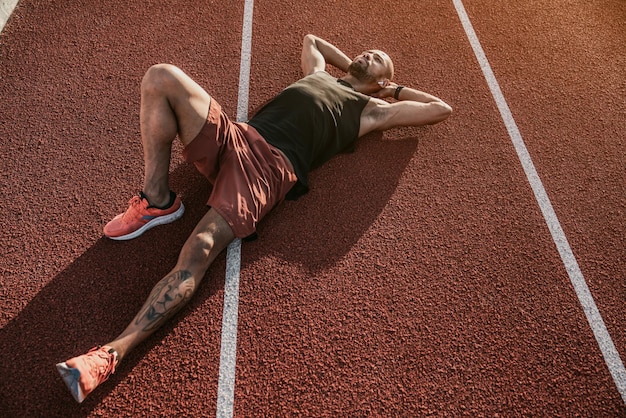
(249, 176)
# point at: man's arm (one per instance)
(412, 108)
(316, 53)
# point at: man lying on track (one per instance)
(252, 166)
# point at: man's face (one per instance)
(370, 66)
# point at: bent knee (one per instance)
(160, 76)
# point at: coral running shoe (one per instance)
(84, 373)
(140, 216)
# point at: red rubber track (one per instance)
(418, 277)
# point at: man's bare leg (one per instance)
(84, 373)
(171, 104)
(209, 238)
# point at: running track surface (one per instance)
(418, 277)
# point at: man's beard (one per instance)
(360, 72)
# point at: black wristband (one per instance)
(397, 92)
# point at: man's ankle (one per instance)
(160, 203)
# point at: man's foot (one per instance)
(84, 373)
(140, 216)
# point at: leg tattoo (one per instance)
(167, 297)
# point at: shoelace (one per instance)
(101, 364)
(135, 206)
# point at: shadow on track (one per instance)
(92, 300)
(89, 303)
(346, 197)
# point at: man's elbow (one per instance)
(442, 111)
(309, 39)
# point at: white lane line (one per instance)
(244, 67)
(228, 351)
(611, 356)
(6, 8)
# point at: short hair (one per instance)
(389, 66)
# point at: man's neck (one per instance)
(358, 85)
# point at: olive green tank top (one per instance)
(311, 121)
